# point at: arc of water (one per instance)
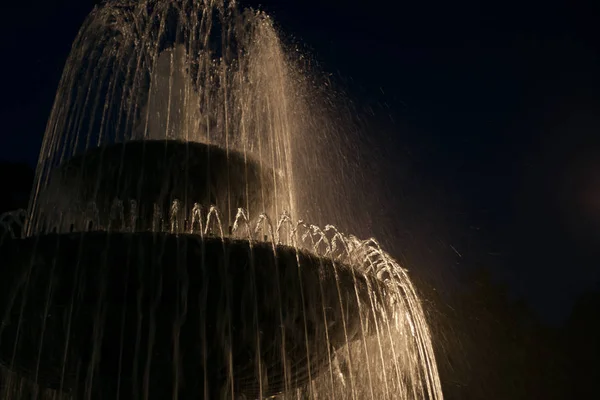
(285, 219)
(196, 218)
(242, 218)
(213, 213)
(10, 219)
(263, 219)
(174, 216)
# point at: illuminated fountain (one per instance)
(162, 255)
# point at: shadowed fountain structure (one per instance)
(133, 318)
(83, 191)
(149, 266)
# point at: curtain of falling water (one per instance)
(203, 72)
(193, 71)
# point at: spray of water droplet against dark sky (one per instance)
(185, 133)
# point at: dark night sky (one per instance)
(494, 107)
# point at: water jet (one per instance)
(162, 255)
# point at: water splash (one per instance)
(190, 71)
(12, 223)
(392, 358)
(172, 138)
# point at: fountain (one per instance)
(162, 255)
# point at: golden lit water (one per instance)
(209, 78)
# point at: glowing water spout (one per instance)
(163, 256)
